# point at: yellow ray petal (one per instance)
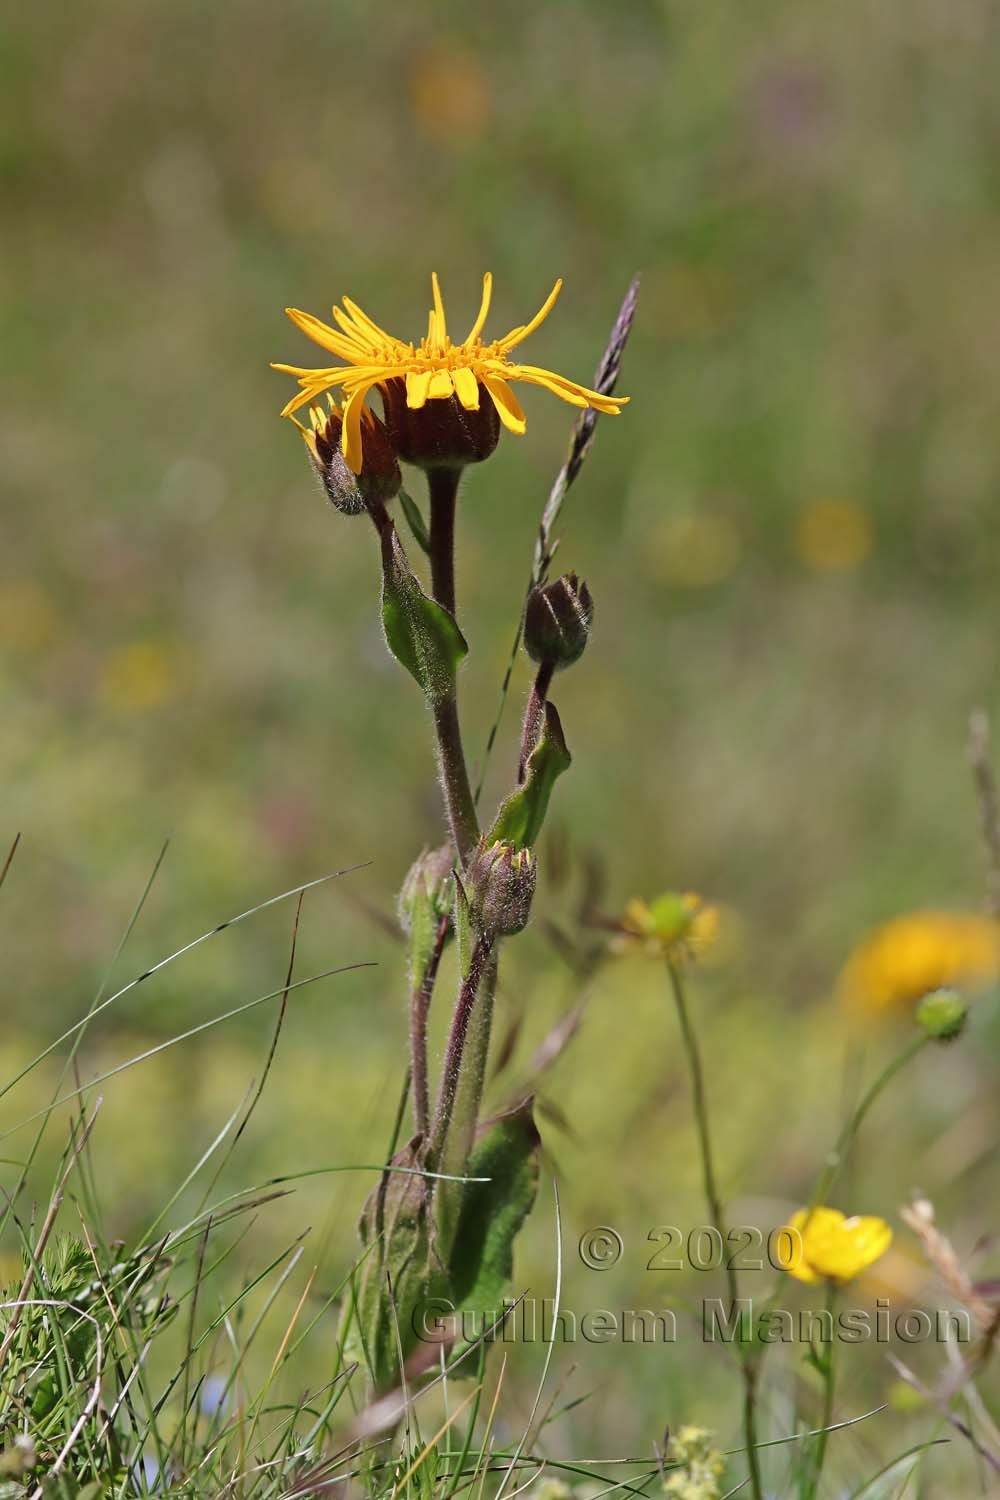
(439, 307)
(441, 385)
(304, 373)
(466, 388)
(308, 436)
(350, 438)
(300, 399)
(484, 308)
(321, 334)
(365, 322)
(517, 335)
(355, 333)
(417, 383)
(506, 403)
(569, 390)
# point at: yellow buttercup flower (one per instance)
(436, 369)
(674, 926)
(828, 1246)
(909, 957)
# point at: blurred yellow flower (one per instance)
(433, 370)
(909, 957)
(449, 95)
(834, 535)
(828, 1246)
(693, 551)
(674, 926)
(138, 677)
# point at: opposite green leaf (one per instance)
(520, 819)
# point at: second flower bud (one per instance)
(501, 880)
(557, 621)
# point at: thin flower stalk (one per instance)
(716, 1213)
(420, 1004)
(835, 1160)
(816, 1453)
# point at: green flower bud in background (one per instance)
(501, 883)
(379, 479)
(942, 1014)
(429, 886)
(557, 621)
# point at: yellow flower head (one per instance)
(827, 1246)
(907, 958)
(436, 369)
(674, 927)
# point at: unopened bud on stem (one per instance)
(942, 1015)
(428, 887)
(501, 883)
(557, 621)
(380, 477)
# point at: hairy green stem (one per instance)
(422, 981)
(713, 1199)
(472, 1078)
(443, 1138)
(533, 715)
(459, 804)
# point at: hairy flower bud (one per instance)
(501, 881)
(428, 886)
(557, 621)
(441, 434)
(380, 477)
(942, 1014)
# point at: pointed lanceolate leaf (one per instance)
(415, 521)
(420, 633)
(492, 1212)
(520, 819)
(399, 1273)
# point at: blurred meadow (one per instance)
(791, 535)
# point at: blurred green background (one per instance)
(791, 536)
